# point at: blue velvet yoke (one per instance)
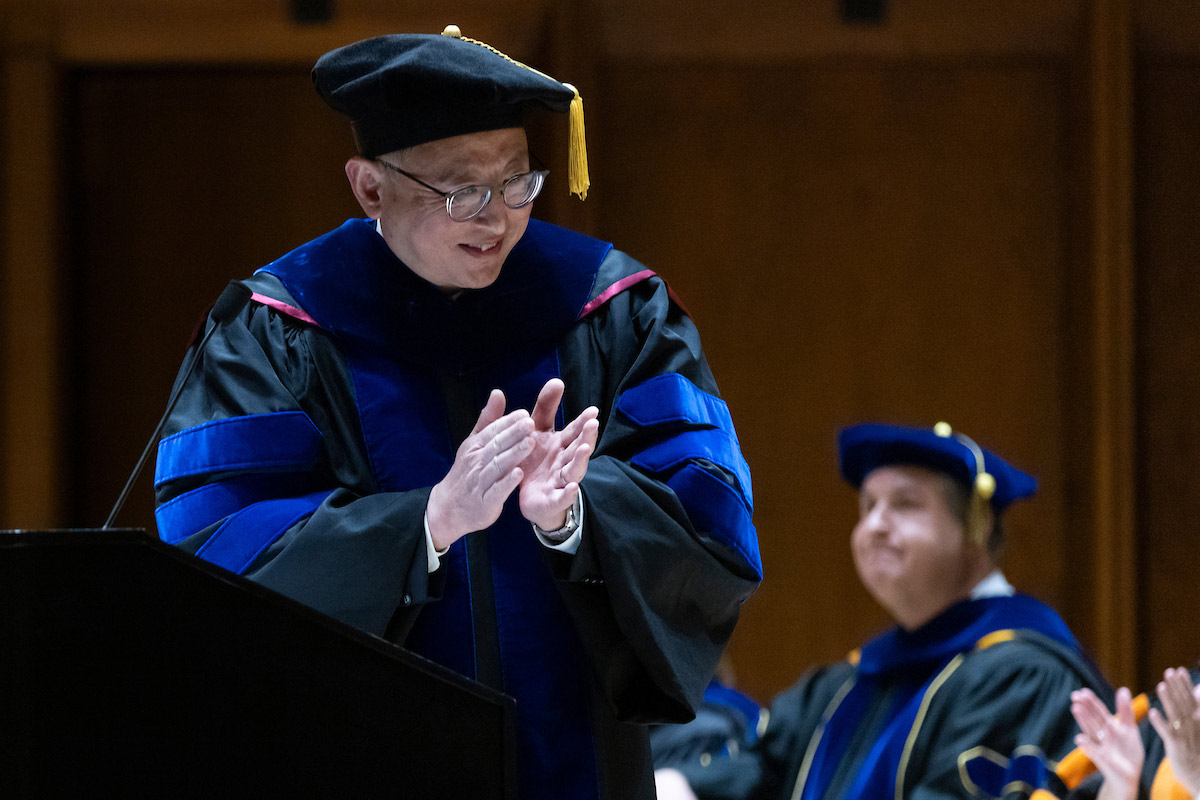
(350, 282)
(404, 339)
(913, 661)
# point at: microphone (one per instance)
(233, 299)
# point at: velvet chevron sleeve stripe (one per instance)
(671, 397)
(688, 426)
(247, 533)
(285, 440)
(195, 510)
(712, 444)
(986, 775)
(261, 456)
(717, 510)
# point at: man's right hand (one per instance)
(484, 473)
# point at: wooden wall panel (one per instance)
(182, 181)
(31, 344)
(263, 31)
(1098, 434)
(1168, 28)
(7, 369)
(856, 243)
(774, 31)
(1168, 192)
(905, 221)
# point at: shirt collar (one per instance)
(994, 585)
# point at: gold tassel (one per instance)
(982, 489)
(577, 164)
(981, 502)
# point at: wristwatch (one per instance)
(568, 528)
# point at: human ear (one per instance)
(365, 183)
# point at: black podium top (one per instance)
(131, 669)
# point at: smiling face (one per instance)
(451, 255)
(909, 544)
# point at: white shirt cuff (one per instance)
(433, 556)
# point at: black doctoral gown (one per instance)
(302, 454)
(901, 716)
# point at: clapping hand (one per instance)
(1179, 726)
(504, 451)
(486, 469)
(1112, 742)
(557, 461)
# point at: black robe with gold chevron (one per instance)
(898, 719)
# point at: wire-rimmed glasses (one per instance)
(465, 203)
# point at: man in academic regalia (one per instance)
(489, 439)
(970, 668)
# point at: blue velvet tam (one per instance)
(403, 90)
(863, 448)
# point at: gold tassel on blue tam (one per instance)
(994, 483)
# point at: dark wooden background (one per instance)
(983, 213)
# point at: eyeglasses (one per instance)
(465, 203)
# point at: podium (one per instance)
(131, 669)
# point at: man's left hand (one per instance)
(558, 461)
